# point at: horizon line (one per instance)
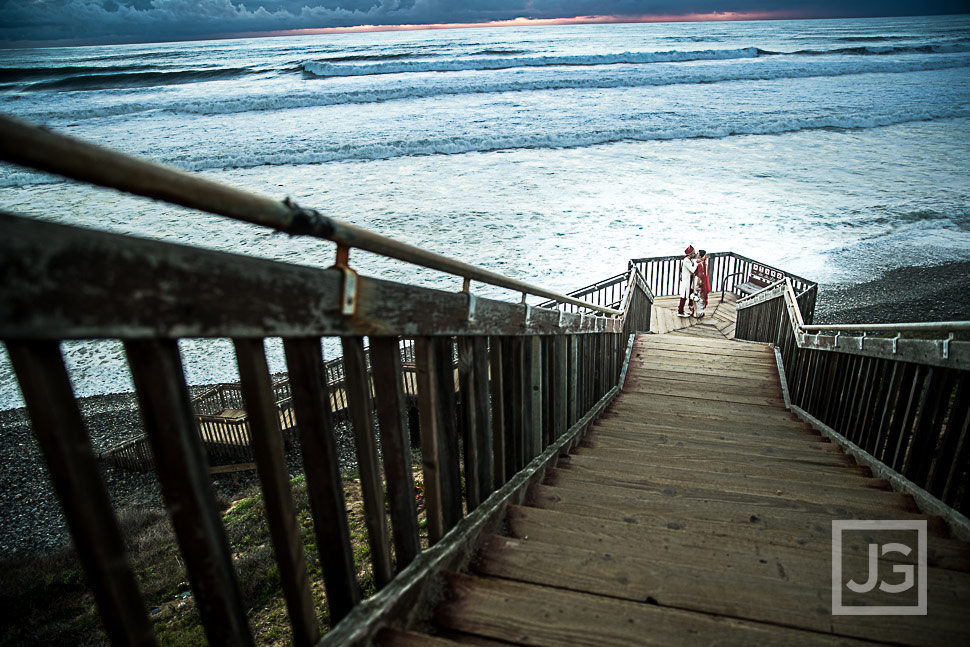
(521, 21)
(598, 19)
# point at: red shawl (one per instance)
(705, 282)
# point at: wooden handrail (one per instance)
(39, 148)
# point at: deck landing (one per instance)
(718, 322)
(697, 510)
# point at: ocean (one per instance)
(834, 149)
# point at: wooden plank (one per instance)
(321, 466)
(468, 420)
(533, 346)
(76, 477)
(483, 416)
(496, 370)
(544, 616)
(739, 554)
(688, 424)
(165, 405)
(660, 441)
(891, 503)
(677, 358)
(664, 450)
(718, 462)
(714, 463)
(650, 365)
(368, 463)
(708, 384)
(704, 346)
(780, 601)
(560, 385)
(874, 491)
(439, 435)
(385, 357)
(929, 425)
(947, 469)
(512, 399)
(257, 389)
(674, 390)
(796, 527)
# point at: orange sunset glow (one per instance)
(578, 20)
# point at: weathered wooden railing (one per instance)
(607, 293)
(726, 271)
(531, 380)
(903, 404)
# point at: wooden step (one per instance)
(545, 616)
(776, 598)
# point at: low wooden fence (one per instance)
(904, 402)
(224, 425)
(531, 380)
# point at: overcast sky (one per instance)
(46, 22)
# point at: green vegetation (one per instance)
(45, 600)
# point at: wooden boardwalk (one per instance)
(697, 510)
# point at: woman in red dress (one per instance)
(703, 280)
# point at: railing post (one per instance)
(497, 371)
(358, 387)
(534, 348)
(257, 388)
(385, 360)
(439, 435)
(76, 477)
(183, 472)
(573, 379)
(476, 419)
(311, 400)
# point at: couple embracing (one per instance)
(695, 284)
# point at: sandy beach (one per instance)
(30, 517)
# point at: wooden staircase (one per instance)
(697, 510)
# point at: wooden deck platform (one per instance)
(699, 511)
(718, 322)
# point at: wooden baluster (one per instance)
(901, 431)
(183, 473)
(361, 406)
(573, 380)
(267, 437)
(946, 464)
(532, 397)
(945, 480)
(497, 371)
(880, 387)
(512, 399)
(929, 425)
(439, 436)
(469, 421)
(385, 359)
(311, 403)
(560, 384)
(483, 416)
(76, 477)
(549, 392)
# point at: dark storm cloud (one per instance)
(134, 20)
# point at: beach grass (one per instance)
(45, 599)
